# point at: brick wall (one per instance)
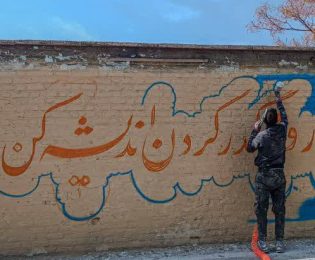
(123, 145)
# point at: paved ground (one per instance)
(296, 249)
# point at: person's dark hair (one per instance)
(271, 117)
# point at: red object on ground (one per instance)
(255, 248)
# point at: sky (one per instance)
(148, 21)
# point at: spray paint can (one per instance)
(279, 86)
(262, 119)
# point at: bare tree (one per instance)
(294, 16)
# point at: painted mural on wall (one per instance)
(158, 144)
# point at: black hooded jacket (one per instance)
(270, 142)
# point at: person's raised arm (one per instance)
(280, 106)
(254, 139)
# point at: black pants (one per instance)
(272, 183)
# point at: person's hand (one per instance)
(277, 93)
(257, 125)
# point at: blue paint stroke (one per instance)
(307, 209)
(176, 188)
(260, 79)
(299, 176)
(27, 193)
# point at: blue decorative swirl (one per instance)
(177, 189)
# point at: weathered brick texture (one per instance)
(120, 146)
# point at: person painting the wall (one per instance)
(270, 179)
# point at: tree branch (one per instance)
(291, 15)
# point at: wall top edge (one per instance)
(152, 45)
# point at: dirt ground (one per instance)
(296, 249)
